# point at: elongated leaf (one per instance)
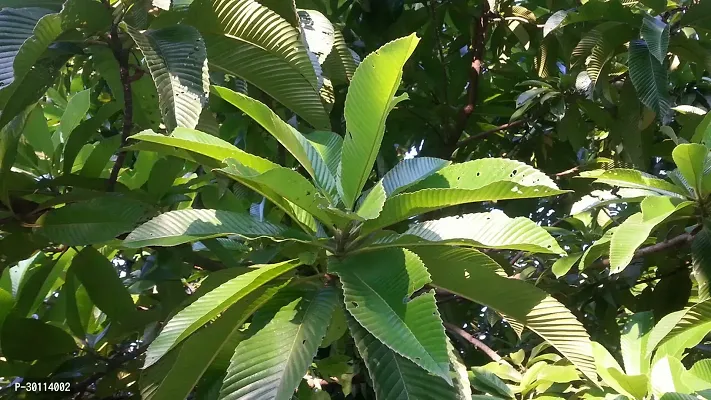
(341, 63)
(329, 146)
(633, 179)
(373, 202)
(677, 323)
(175, 375)
(204, 144)
(632, 386)
(473, 275)
(636, 229)
(177, 59)
(185, 226)
(649, 78)
(251, 41)
(289, 137)
(284, 182)
(701, 256)
(210, 305)
(633, 343)
(30, 339)
(489, 230)
(690, 158)
(395, 377)
(9, 139)
(101, 281)
(271, 363)
(368, 103)
(93, 221)
(656, 33)
(409, 172)
(75, 111)
(377, 288)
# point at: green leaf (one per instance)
(555, 21)
(176, 374)
(677, 323)
(249, 40)
(106, 290)
(290, 138)
(562, 265)
(701, 257)
(94, 221)
(667, 376)
(481, 180)
(633, 179)
(649, 77)
(633, 343)
(30, 339)
(656, 33)
(284, 340)
(697, 15)
(329, 146)
(200, 143)
(473, 275)
(368, 102)
(177, 59)
(77, 107)
(632, 386)
(409, 172)
(185, 226)
(373, 202)
(395, 377)
(492, 230)
(635, 230)
(285, 8)
(378, 287)
(342, 62)
(690, 158)
(41, 283)
(9, 139)
(84, 132)
(210, 305)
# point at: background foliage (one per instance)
(331, 199)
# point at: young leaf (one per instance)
(285, 336)
(629, 178)
(212, 304)
(475, 276)
(185, 226)
(373, 203)
(177, 60)
(632, 386)
(633, 343)
(690, 158)
(368, 103)
(378, 287)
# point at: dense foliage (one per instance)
(355, 199)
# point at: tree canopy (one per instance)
(355, 199)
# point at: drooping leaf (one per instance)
(284, 340)
(210, 305)
(378, 287)
(633, 179)
(251, 41)
(636, 229)
(185, 226)
(411, 171)
(177, 59)
(492, 230)
(290, 138)
(473, 275)
(94, 221)
(368, 102)
(649, 77)
(656, 33)
(395, 377)
(175, 375)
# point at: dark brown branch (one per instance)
(480, 135)
(121, 56)
(474, 341)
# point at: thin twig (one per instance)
(121, 56)
(480, 135)
(474, 341)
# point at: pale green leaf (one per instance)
(632, 386)
(678, 322)
(185, 226)
(328, 145)
(177, 60)
(562, 265)
(633, 179)
(411, 171)
(690, 158)
(373, 202)
(378, 287)
(633, 343)
(473, 275)
(212, 304)
(667, 376)
(284, 340)
(75, 111)
(368, 103)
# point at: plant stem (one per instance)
(474, 341)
